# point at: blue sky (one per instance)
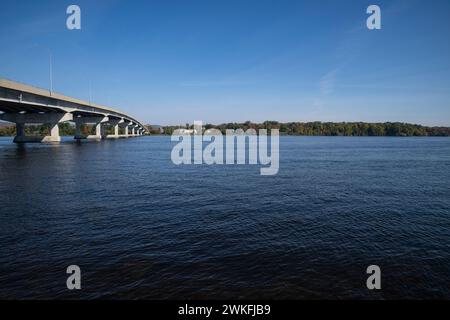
(172, 62)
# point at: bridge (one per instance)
(23, 104)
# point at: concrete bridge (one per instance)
(23, 104)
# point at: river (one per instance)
(139, 226)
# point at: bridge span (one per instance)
(23, 104)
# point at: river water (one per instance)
(139, 226)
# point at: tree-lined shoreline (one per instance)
(360, 129)
(355, 129)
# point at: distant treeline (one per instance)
(394, 129)
(65, 129)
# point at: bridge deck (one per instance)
(16, 97)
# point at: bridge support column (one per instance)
(54, 134)
(37, 118)
(125, 125)
(115, 135)
(20, 129)
(98, 131)
(97, 121)
(115, 123)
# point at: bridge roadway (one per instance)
(23, 104)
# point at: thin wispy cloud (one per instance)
(212, 83)
(394, 87)
(327, 82)
(350, 48)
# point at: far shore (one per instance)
(349, 129)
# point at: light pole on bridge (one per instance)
(51, 70)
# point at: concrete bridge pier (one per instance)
(116, 131)
(125, 125)
(21, 119)
(136, 130)
(115, 124)
(97, 121)
(98, 132)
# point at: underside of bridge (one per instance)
(22, 105)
